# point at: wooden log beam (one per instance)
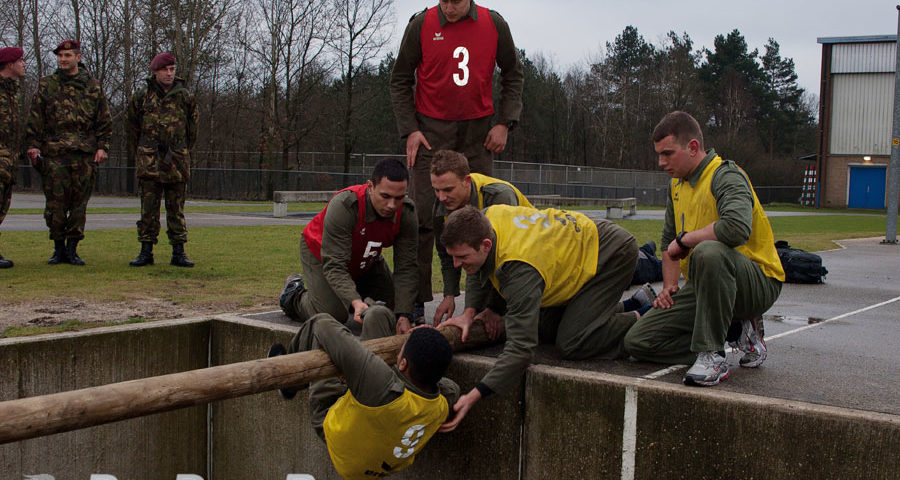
(61, 412)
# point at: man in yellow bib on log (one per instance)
(717, 235)
(561, 275)
(375, 418)
(455, 186)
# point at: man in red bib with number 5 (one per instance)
(340, 251)
(442, 93)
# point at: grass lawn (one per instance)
(243, 268)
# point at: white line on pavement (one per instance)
(675, 368)
(664, 372)
(832, 319)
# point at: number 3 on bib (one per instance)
(462, 53)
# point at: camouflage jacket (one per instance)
(68, 114)
(162, 130)
(10, 129)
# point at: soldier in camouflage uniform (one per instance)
(12, 68)
(162, 130)
(68, 133)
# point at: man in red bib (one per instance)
(441, 90)
(341, 252)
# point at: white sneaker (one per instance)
(709, 369)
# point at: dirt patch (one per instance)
(54, 312)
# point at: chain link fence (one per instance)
(323, 171)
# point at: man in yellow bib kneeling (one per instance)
(561, 276)
(376, 418)
(717, 235)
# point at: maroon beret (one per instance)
(161, 61)
(67, 45)
(10, 54)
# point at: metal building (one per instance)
(855, 115)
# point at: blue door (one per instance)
(867, 187)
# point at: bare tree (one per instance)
(191, 27)
(36, 39)
(289, 46)
(76, 11)
(102, 52)
(364, 27)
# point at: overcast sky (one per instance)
(571, 32)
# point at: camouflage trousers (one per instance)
(152, 192)
(5, 198)
(68, 183)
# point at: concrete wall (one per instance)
(560, 423)
(574, 427)
(158, 446)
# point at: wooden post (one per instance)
(61, 412)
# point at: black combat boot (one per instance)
(145, 257)
(72, 253)
(59, 253)
(179, 259)
(4, 263)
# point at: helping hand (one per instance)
(462, 322)
(403, 326)
(359, 307)
(462, 407)
(493, 323)
(446, 307)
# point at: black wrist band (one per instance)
(678, 241)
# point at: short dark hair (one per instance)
(466, 226)
(681, 125)
(428, 354)
(391, 168)
(449, 161)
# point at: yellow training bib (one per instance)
(698, 206)
(373, 442)
(562, 246)
(481, 180)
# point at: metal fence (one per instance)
(649, 187)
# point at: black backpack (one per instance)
(800, 266)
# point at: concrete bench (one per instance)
(615, 207)
(281, 198)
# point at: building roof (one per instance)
(860, 39)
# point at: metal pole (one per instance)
(890, 235)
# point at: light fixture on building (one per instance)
(867, 158)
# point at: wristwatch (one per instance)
(678, 239)
(510, 125)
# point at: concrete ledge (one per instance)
(560, 422)
(580, 424)
(281, 198)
